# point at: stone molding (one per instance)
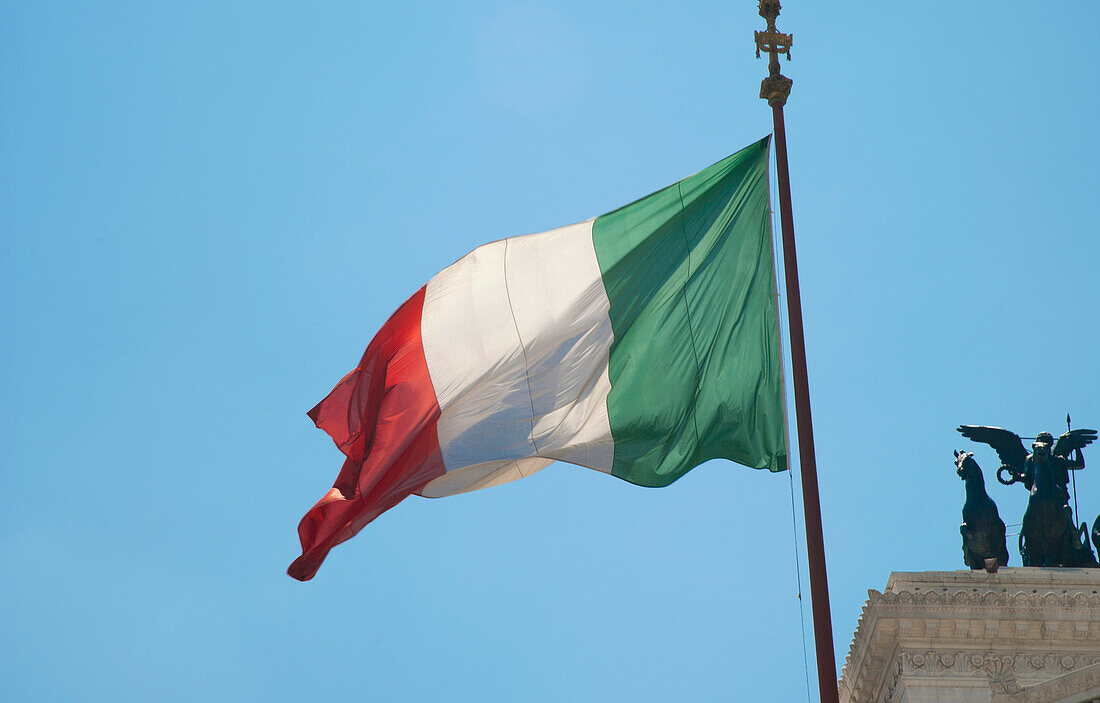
(1013, 635)
(1084, 681)
(1001, 669)
(988, 599)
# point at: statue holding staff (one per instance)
(1048, 536)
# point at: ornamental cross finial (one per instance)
(776, 87)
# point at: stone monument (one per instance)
(1020, 635)
(992, 634)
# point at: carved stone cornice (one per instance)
(1082, 684)
(1003, 633)
(1000, 668)
(1016, 601)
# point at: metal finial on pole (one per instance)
(775, 89)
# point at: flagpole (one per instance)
(775, 89)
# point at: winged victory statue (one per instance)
(1048, 535)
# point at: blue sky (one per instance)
(207, 209)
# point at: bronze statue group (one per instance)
(1049, 535)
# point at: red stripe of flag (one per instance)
(382, 416)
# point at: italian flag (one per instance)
(640, 344)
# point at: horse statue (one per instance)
(1080, 554)
(1048, 536)
(1096, 533)
(983, 531)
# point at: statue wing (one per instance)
(1074, 439)
(1009, 446)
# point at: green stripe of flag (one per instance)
(695, 366)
